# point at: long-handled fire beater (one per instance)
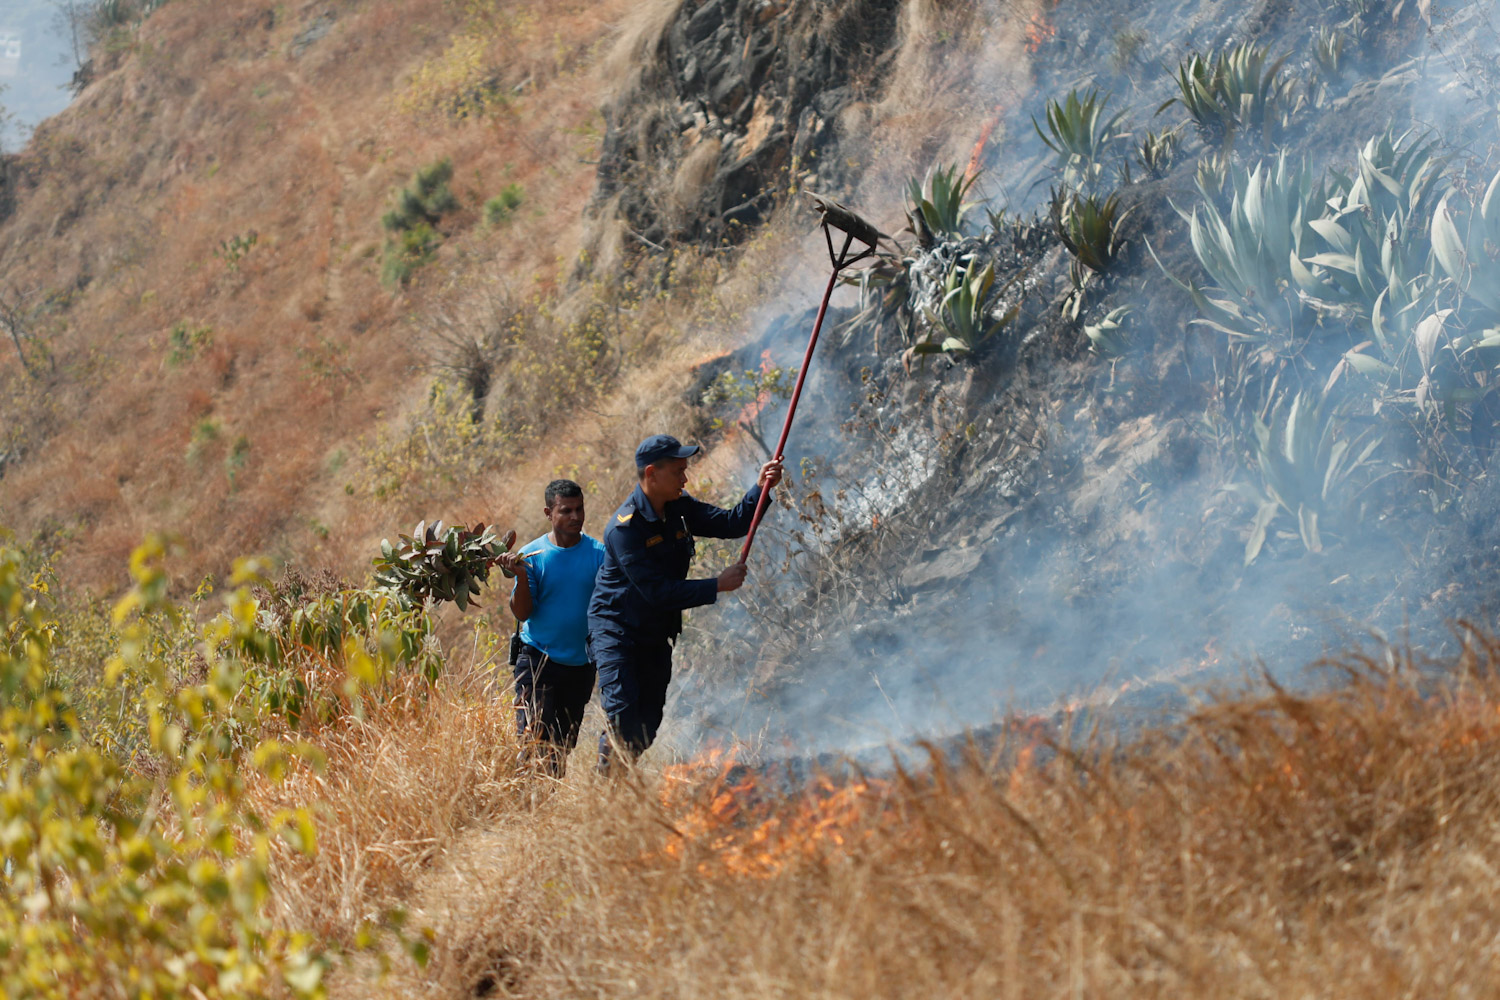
(835, 216)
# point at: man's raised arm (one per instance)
(708, 521)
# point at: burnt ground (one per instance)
(1010, 528)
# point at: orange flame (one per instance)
(972, 170)
(1039, 32)
(719, 809)
(753, 409)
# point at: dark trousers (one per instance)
(633, 678)
(550, 699)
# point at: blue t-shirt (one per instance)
(561, 581)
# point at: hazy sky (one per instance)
(36, 63)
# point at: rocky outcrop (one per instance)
(737, 97)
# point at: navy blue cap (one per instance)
(660, 446)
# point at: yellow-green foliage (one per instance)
(442, 441)
(122, 884)
(466, 80)
(329, 654)
(134, 864)
(184, 341)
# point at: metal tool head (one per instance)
(845, 220)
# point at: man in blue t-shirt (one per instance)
(554, 580)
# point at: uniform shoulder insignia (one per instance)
(622, 518)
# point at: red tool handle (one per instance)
(786, 426)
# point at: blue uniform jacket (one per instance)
(642, 588)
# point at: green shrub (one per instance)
(235, 249)
(403, 256)
(425, 201)
(329, 652)
(412, 222)
(750, 386)
(205, 433)
(500, 208)
(185, 341)
(234, 461)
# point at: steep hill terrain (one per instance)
(1179, 354)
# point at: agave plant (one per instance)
(1213, 173)
(884, 290)
(1249, 252)
(1107, 338)
(961, 317)
(1375, 225)
(1089, 226)
(1472, 259)
(1311, 468)
(1393, 257)
(1328, 51)
(939, 202)
(437, 563)
(1080, 134)
(1234, 92)
(1156, 150)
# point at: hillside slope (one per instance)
(197, 245)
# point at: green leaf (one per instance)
(1446, 243)
(1307, 526)
(1334, 234)
(1338, 261)
(1264, 515)
(1372, 367)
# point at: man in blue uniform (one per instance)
(554, 581)
(642, 590)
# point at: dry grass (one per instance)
(638, 34)
(1339, 844)
(957, 65)
(216, 122)
(399, 788)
